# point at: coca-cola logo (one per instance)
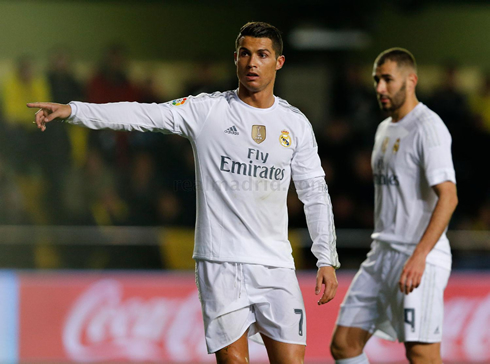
(105, 325)
(102, 326)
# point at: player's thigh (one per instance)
(278, 304)
(235, 353)
(348, 342)
(363, 305)
(421, 315)
(423, 353)
(284, 353)
(226, 309)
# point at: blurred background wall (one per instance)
(154, 51)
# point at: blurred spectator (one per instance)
(57, 150)
(184, 185)
(353, 100)
(482, 221)
(22, 86)
(296, 215)
(169, 209)
(64, 85)
(363, 189)
(149, 92)
(12, 204)
(140, 190)
(111, 83)
(480, 104)
(204, 79)
(344, 210)
(91, 196)
(24, 149)
(449, 102)
(337, 143)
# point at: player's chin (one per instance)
(385, 107)
(252, 86)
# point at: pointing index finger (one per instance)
(40, 105)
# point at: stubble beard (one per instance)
(397, 100)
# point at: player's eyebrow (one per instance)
(258, 50)
(383, 75)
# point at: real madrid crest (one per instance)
(258, 133)
(385, 144)
(285, 138)
(396, 146)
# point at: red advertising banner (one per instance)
(93, 318)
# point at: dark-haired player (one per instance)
(248, 145)
(398, 292)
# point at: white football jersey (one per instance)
(409, 157)
(245, 159)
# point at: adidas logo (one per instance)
(232, 130)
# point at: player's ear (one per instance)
(280, 62)
(413, 80)
(235, 57)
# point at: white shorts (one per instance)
(236, 297)
(374, 301)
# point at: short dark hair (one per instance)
(401, 56)
(258, 29)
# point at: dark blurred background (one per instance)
(71, 198)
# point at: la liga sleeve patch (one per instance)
(178, 102)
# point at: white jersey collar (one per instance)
(257, 109)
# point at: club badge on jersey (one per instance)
(258, 133)
(396, 146)
(285, 139)
(385, 144)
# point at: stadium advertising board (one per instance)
(93, 318)
(8, 317)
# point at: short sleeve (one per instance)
(306, 163)
(436, 157)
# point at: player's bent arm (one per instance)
(445, 206)
(413, 270)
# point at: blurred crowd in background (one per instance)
(74, 176)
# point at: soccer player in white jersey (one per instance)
(398, 291)
(248, 144)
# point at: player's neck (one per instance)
(405, 109)
(261, 99)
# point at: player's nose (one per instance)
(380, 88)
(252, 61)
